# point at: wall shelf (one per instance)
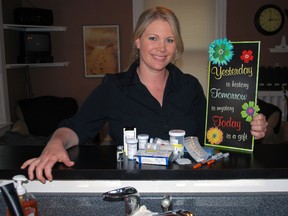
(282, 48)
(34, 28)
(279, 50)
(53, 64)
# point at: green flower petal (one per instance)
(249, 119)
(245, 106)
(257, 109)
(251, 103)
(244, 114)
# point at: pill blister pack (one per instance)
(194, 149)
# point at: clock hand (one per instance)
(270, 13)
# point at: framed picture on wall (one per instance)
(101, 50)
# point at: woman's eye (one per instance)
(152, 38)
(170, 40)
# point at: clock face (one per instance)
(269, 19)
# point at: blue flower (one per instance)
(220, 51)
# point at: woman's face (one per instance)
(156, 46)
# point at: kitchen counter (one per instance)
(99, 163)
(242, 184)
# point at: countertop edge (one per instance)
(159, 186)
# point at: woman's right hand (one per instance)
(55, 151)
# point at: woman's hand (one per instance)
(55, 151)
(258, 126)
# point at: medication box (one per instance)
(153, 156)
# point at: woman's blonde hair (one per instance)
(151, 15)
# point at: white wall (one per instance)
(195, 63)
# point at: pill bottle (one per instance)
(142, 140)
(128, 132)
(120, 153)
(177, 139)
(131, 148)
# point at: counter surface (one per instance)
(99, 163)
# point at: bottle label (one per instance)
(142, 144)
(132, 149)
(28, 211)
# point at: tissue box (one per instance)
(151, 156)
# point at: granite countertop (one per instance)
(99, 162)
(208, 204)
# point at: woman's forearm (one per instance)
(66, 136)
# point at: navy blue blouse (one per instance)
(123, 101)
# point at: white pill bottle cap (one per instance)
(143, 136)
(131, 140)
(177, 132)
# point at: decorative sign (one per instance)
(232, 94)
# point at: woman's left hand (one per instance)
(258, 126)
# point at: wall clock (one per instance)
(269, 19)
